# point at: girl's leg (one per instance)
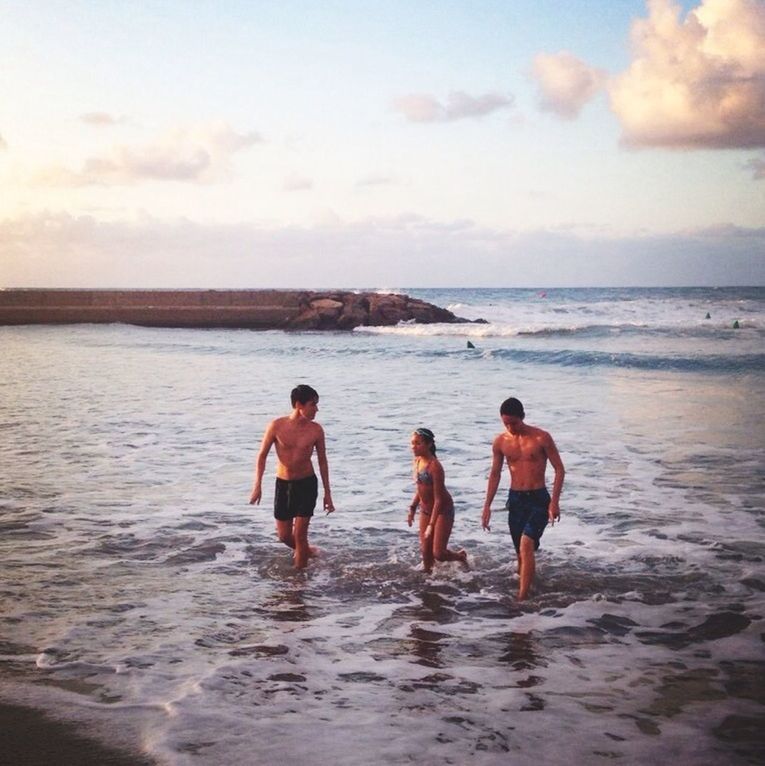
(426, 543)
(441, 533)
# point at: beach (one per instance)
(144, 600)
(33, 739)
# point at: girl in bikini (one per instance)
(435, 503)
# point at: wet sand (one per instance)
(29, 738)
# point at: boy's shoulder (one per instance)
(285, 423)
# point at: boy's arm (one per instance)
(321, 454)
(553, 510)
(260, 463)
(495, 474)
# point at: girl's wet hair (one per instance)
(429, 437)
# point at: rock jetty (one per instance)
(255, 309)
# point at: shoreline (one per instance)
(33, 738)
(247, 309)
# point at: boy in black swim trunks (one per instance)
(295, 436)
(526, 450)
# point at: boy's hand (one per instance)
(328, 504)
(255, 496)
(486, 518)
(553, 513)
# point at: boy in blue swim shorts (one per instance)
(530, 507)
(527, 514)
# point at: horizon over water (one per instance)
(143, 598)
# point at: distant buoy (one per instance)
(470, 345)
(708, 316)
(736, 325)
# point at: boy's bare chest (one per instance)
(523, 450)
(296, 438)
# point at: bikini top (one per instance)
(424, 477)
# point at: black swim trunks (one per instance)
(296, 497)
(527, 514)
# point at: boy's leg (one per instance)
(302, 549)
(284, 532)
(527, 565)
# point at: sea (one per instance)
(143, 599)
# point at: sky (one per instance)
(290, 143)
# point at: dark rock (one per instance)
(257, 309)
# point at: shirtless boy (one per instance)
(295, 436)
(526, 450)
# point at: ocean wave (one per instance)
(683, 361)
(548, 329)
(699, 363)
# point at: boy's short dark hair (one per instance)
(303, 394)
(512, 407)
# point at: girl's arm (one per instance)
(413, 507)
(416, 498)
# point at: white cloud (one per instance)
(60, 250)
(298, 183)
(565, 83)
(374, 179)
(695, 82)
(101, 119)
(200, 154)
(757, 166)
(419, 107)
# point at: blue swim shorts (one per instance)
(527, 514)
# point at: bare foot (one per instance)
(313, 552)
(463, 559)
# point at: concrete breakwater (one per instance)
(255, 309)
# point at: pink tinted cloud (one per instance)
(200, 154)
(565, 83)
(60, 250)
(422, 107)
(695, 82)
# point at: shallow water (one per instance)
(142, 595)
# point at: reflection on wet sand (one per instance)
(287, 606)
(425, 646)
(520, 651)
